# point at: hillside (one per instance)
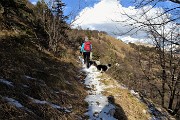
(37, 83)
(137, 67)
(34, 84)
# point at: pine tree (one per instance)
(54, 22)
(59, 25)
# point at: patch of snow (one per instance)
(110, 86)
(156, 113)
(67, 82)
(51, 104)
(133, 92)
(65, 93)
(99, 107)
(117, 64)
(123, 87)
(81, 59)
(14, 102)
(144, 111)
(6, 82)
(93, 69)
(25, 86)
(39, 101)
(30, 78)
(59, 107)
(98, 62)
(68, 111)
(56, 106)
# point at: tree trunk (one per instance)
(176, 108)
(171, 100)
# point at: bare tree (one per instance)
(163, 30)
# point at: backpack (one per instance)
(87, 46)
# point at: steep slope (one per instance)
(132, 65)
(38, 82)
(34, 84)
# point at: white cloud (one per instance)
(102, 16)
(34, 3)
(100, 13)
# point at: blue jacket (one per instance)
(82, 48)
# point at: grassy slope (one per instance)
(114, 51)
(55, 80)
(127, 105)
(126, 69)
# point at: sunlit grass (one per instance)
(132, 106)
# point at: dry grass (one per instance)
(7, 33)
(109, 49)
(56, 81)
(132, 107)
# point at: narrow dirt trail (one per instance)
(99, 107)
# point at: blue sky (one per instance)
(101, 14)
(76, 6)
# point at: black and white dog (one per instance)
(101, 68)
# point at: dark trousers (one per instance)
(86, 56)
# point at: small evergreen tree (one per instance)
(54, 22)
(58, 24)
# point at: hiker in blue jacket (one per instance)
(86, 48)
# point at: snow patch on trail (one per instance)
(99, 107)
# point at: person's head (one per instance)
(86, 38)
